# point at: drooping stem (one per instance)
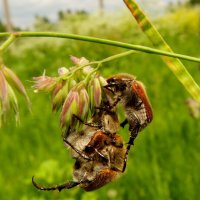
(4, 46)
(7, 43)
(102, 41)
(98, 63)
(118, 56)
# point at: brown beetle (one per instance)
(99, 153)
(132, 94)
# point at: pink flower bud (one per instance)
(74, 59)
(4, 101)
(83, 104)
(44, 83)
(15, 82)
(70, 108)
(62, 71)
(97, 92)
(58, 95)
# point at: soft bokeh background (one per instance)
(165, 161)
(23, 12)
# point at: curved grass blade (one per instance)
(174, 64)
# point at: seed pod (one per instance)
(97, 92)
(62, 71)
(74, 59)
(70, 108)
(44, 83)
(57, 88)
(82, 61)
(13, 103)
(72, 83)
(8, 100)
(102, 81)
(15, 82)
(4, 93)
(91, 96)
(83, 104)
(59, 95)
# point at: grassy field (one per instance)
(165, 161)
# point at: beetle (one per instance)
(132, 94)
(97, 162)
(98, 150)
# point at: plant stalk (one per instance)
(102, 41)
(7, 43)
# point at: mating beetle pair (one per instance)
(99, 151)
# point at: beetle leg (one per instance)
(103, 108)
(108, 87)
(134, 133)
(67, 185)
(124, 123)
(130, 143)
(101, 155)
(86, 123)
(76, 150)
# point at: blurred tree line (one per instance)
(61, 16)
(193, 2)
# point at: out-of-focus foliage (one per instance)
(195, 1)
(90, 24)
(189, 24)
(42, 22)
(2, 27)
(164, 163)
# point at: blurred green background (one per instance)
(165, 161)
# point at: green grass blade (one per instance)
(174, 64)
